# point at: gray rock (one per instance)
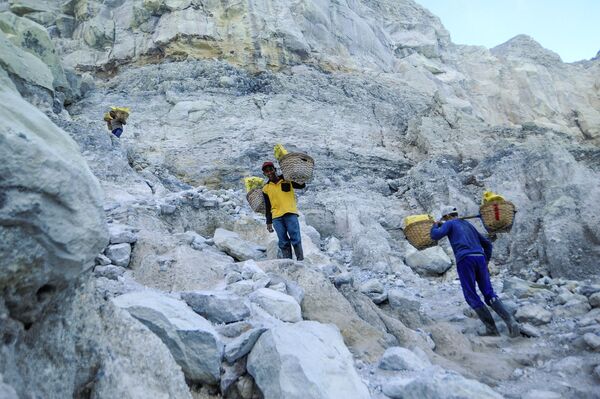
(592, 340)
(111, 272)
(597, 371)
(378, 298)
(522, 288)
(372, 286)
(233, 330)
(242, 345)
(241, 288)
(192, 340)
(431, 261)
(540, 394)
(120, 233)
(119, 254)
(529, 330)
(102, 260)
(281, 306)
(397, 358)
(6, 391)
(280, 287)
(310, 360)
(343, 278)
(534, 314)
(230, 374)
(594, 300)
(232, 244)
(233, 277)
(438, 384)
(52, 222)
(91, 331)
(217, 306)
(569, 365)
(576, 306)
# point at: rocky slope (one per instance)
(135, 268)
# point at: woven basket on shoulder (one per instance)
(497, 216)
(297, 167)
(418, 234)
(256, 200)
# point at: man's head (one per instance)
(269, 170)
(448, 212)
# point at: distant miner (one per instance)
(282, 211)
(473, 252)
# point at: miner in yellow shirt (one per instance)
(282, 212)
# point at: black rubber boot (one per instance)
(513, 327)
(488, 321)
(299, 252)
(286, 252)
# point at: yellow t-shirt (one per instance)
(282, 197)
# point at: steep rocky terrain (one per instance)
(134, 267)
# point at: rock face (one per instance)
(75, 351)
(304, 360)
(192, 340)
(51, 219)
(232, 244)
(439, 385)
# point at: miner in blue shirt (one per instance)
(473, 252)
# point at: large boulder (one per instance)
(217, 306)
(324, 303)
(191, 339)
(431, 261)
(231, 243)
(84, 346)
(160, 262)
(279, 305)
(33, 38)
(305, 360)
(51, 218)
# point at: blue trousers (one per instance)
(117, 132)
(287, 228)
(471, 270)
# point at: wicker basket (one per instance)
(497, 216)
(418, 234)
(256, 200)
(297, 167)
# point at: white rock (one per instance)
(594, 300)
(310, 361)
(534, 314)
(397, 358)
(231, 243)
(439, 385)
(102, 260)
(241, 288)
(217, 306)
(592, 340)
(282, 306)
(111, 271)
(431, 261)
(540, 394)
(120, 233)
(191, 339)
(242, 345)
(372, 285)
(119, 254)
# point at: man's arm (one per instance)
(487, 247)
(268, 209)
(439, 230)
(298, 185)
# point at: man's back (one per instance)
(464, 238)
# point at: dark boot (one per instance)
(299, 252)
(511, 323)
(488, 321)
(286, 252)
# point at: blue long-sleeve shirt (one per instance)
(464, 239)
